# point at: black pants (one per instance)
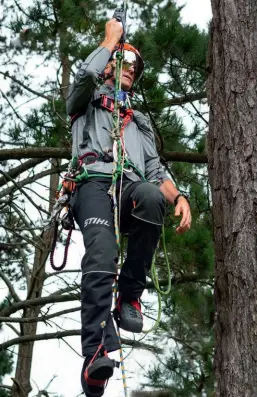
(142, 214)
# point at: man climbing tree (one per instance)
(118, 162)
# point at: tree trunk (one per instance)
(232, 157)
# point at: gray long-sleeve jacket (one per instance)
(90, 131)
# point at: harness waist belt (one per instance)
(104, 102)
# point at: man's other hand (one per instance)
(183, 208)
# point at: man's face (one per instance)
(128, 76)
(128, 73)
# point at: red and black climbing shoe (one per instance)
(95, 375)
(128, 315)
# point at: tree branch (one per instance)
(179, 280)
(185, 157)
(10, 287)
(24, 220)
(180, 100)
(14, 172)
(152, 393)
(31, 179)
(23, 237)
(62, 272)
(6, 387)
(40, 94)
(42, 318)
(32, 152)
(10, 246)
(13, 329)
(15, 111)
(20, 305)
(73, 332)
(17, 186)
(14, 307)
(48, 152)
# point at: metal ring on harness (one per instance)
(92, 157)
(84, 156)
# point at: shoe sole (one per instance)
(129, 326)
(101, 369)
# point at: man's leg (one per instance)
(92, 211)
(143, 209)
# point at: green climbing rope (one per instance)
(154, 277)
(155, 280)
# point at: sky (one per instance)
(55, 358)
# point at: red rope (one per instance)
(65, 257)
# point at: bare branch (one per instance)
(14, 307)
(37, 194)
(10, 287)
(152, 393)
(9, 246)
(14, 111)
(17, 185)
(13, 329)
(47, 152)
(42, 318)
(32, 152)
(38, 94)
(73, 332)
(181, 100)
(35, 244)
(186, 157)
(32, 179)
(42, 393)
(68, 289)
(187, 278)
(24, 220)
(62, 272)
(14, 172)
(6, 387)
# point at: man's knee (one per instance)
(149, 203)
(101, 250)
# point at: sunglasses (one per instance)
(129, 59)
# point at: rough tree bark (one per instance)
(232, 156)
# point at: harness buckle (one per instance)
(107, 103)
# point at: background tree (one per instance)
(6, 364)
(60, 35)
